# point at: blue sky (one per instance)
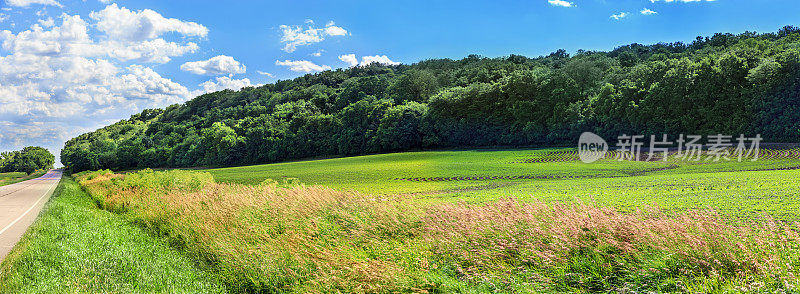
(72, 66)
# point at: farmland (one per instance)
(742, 189)
(461, 221)
(458, 221)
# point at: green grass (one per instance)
(743, 189)
(12, 175)
(315, 239)
(272, 238)
(74, 247)
(16, 177)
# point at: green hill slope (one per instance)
(730, 84)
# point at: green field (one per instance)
(478, 221)
(7, 178)
(75, 247)
(14, 177)
(744, 189)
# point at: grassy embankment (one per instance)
(75, 247)
(275, 238)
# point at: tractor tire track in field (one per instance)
(530, 177)
(458, 190)
(572, 155)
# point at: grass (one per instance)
(277, 238)
(742, 189)
(75, 247)
(487, 221)
(16, 177)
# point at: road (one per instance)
(20, 204)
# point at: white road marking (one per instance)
(29, 209)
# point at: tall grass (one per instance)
(74, 247)
(288, 238)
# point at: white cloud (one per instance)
(218, 65)
(3, 17)
(332, 30)
(124, 24)
(561, 3)
(294, 36)
(318, 53)
(302, 65)
(59, 78)
(71, 38)
(382, 59)
(619, 16)
(263, 73)
(151, 51)
(222, 83)
(47, 23)
(351, 60)
(26, 3)
(647, 11)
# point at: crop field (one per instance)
(742, 189)
(479, 221)
(281, 237)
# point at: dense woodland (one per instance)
(27, 160)
(730, 84)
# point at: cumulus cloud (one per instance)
(71, 38)
(619, 16)
(222, 83)
(647, 11)
(218, 65)
(59, 78)
(294, 36)
(561, 3)
(351, 60)
(124, 24)
(47, 23)
(263, 73)
(26, 3)
(382, 59)
(302, 66)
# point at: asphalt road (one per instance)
(20, 204)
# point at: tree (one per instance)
(27, 160)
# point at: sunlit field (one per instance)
(479, 221)
(742, 189)
(14, 177)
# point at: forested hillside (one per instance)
(730, 84)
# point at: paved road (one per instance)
(20, 204)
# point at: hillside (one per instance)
(726, 83)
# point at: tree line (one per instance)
(731, 84)
(27, 160)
